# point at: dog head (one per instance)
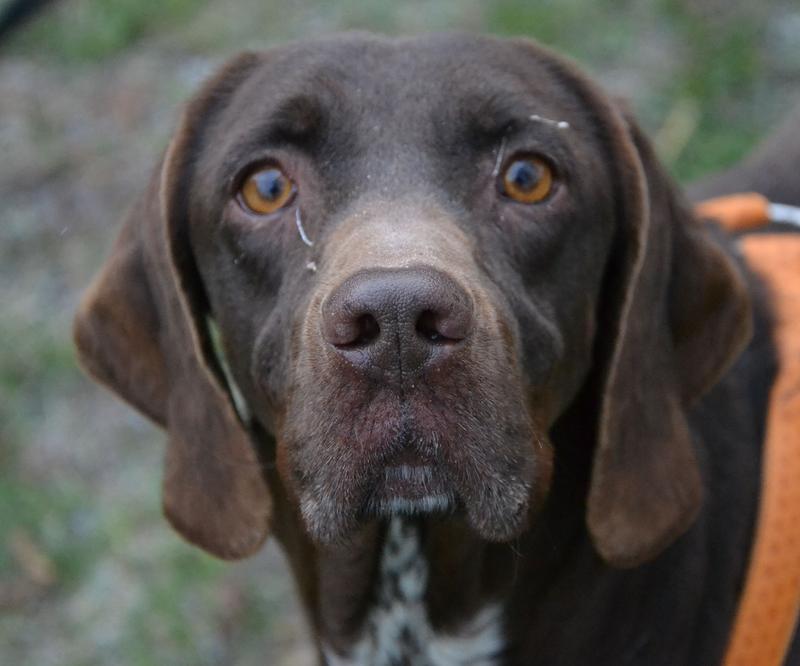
(415, 253)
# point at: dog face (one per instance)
(444, 327)
(416, 252)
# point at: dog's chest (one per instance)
(397, 631)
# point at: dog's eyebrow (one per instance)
(493, 115)
(297, 120)
(490, 116)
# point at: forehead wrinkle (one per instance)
(492, 115)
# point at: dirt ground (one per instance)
(90, 573)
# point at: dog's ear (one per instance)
(141, 331)
(680, 315)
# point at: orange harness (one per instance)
(768, 609)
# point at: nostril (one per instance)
(429, 327)
(426, 327)
(367, 331)
(346, 330)
(352, 332)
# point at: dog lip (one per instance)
(410, 481)
(410, 489)
(408, 473)
(439, 503)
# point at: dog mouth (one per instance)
(410, 479)
(404, 457)
(410, 488)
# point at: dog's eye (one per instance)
(266, 191)
(527, 180)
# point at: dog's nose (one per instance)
(397, 320)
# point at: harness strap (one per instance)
(768, 609)
(749, 210)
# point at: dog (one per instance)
(430, 313)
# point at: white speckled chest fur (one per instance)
(397, 631)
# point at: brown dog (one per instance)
(430, 312)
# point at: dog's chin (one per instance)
(497, 514)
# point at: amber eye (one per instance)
(528, 180)
(266, 191)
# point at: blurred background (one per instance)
(90, 90)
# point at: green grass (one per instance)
(721, 64)
(53, 516)
(37, 360)
(588, 31)
(90, 30)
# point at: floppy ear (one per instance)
(681, 315)
(141, 331)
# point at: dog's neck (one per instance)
(420, 609)
(398, 627)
